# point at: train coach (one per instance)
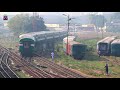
(75, 49)
(104, 46)
(115, 48)
(26, 45)
(39, 41)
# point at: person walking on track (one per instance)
(52, 55)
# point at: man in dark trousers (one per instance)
(106, 68)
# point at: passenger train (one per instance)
(39, 41)
(104, 46)
(75, 49)
(109, 46)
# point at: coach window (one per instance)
(26, 45)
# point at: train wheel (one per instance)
(74, 57)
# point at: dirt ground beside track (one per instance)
(92, 34)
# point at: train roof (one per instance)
(26, 36)
(41, 32)
(107, 39)
(70, 38)
(74, 42)
(33, 34)
(117, 41)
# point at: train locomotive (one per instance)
(39, 42)
(75, 49)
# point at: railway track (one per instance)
(5, 70)
(53, 75)
(57, 70)
(114, 61)
(24, 68)
(18, 63)
(51, 70)
(29, 68)
(36, 72)
(60, 70)
(17, 60)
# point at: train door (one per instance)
(44, 47)
(26, 45)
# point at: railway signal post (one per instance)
(68, 28)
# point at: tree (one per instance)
(115, 19)
(39, 24)
(23, 23)
(115, 16)
(97, 20)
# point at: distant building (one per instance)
(62, 25)
(114, 23)
(56, 26)
(72, 27)
(5, 24)
(53, 25)
(86, 27)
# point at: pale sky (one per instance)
(44, 13)
(52, 13)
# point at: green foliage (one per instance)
(22, 75)
(113, 29)
(97, 20)
(23, 23)
(91, 44)
(115, 18)
(91, 64)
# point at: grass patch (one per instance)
(9, 42)
(22, 75)
(91, 64)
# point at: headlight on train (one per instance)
(20, 44)
(33, 45)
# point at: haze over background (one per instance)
(58, 18)
(54, 13)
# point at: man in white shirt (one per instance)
(52, 55)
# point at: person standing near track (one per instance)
(106, 68)
(52, 55)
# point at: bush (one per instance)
(113, 29)
(90, 49)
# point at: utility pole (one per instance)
(102, 32)
(34, 24)
(103, 26)
(74, 29)
(68, 29)
(68, 32)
